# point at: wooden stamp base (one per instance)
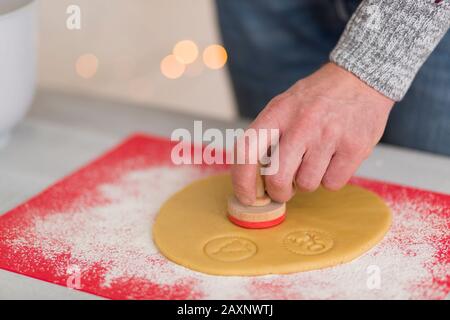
(256, 217)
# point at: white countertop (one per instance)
(63, 132)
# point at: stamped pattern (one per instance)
(308, 242)
(230, 249)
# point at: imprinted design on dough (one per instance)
(230, 249)
(308, 242)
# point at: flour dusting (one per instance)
(115, 237)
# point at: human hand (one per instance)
(329, 123)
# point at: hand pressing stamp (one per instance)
(263, 213)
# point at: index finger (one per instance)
(247, 154)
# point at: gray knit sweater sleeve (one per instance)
(387, 41)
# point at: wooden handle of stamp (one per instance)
(260, 188)
(262, 199)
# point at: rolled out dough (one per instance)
(322, 229)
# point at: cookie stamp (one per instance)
(262, 214)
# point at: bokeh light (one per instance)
(186, 51)
(87, 65)
(171, 67)
(215, 56)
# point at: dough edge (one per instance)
(233, 269)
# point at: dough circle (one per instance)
(322, 229)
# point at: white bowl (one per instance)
(18, 55)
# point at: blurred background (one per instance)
(165, 54)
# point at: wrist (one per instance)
(346, 79)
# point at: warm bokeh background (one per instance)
(130, 38)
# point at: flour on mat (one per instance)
(117, 237)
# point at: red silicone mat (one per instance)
(92, 232)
